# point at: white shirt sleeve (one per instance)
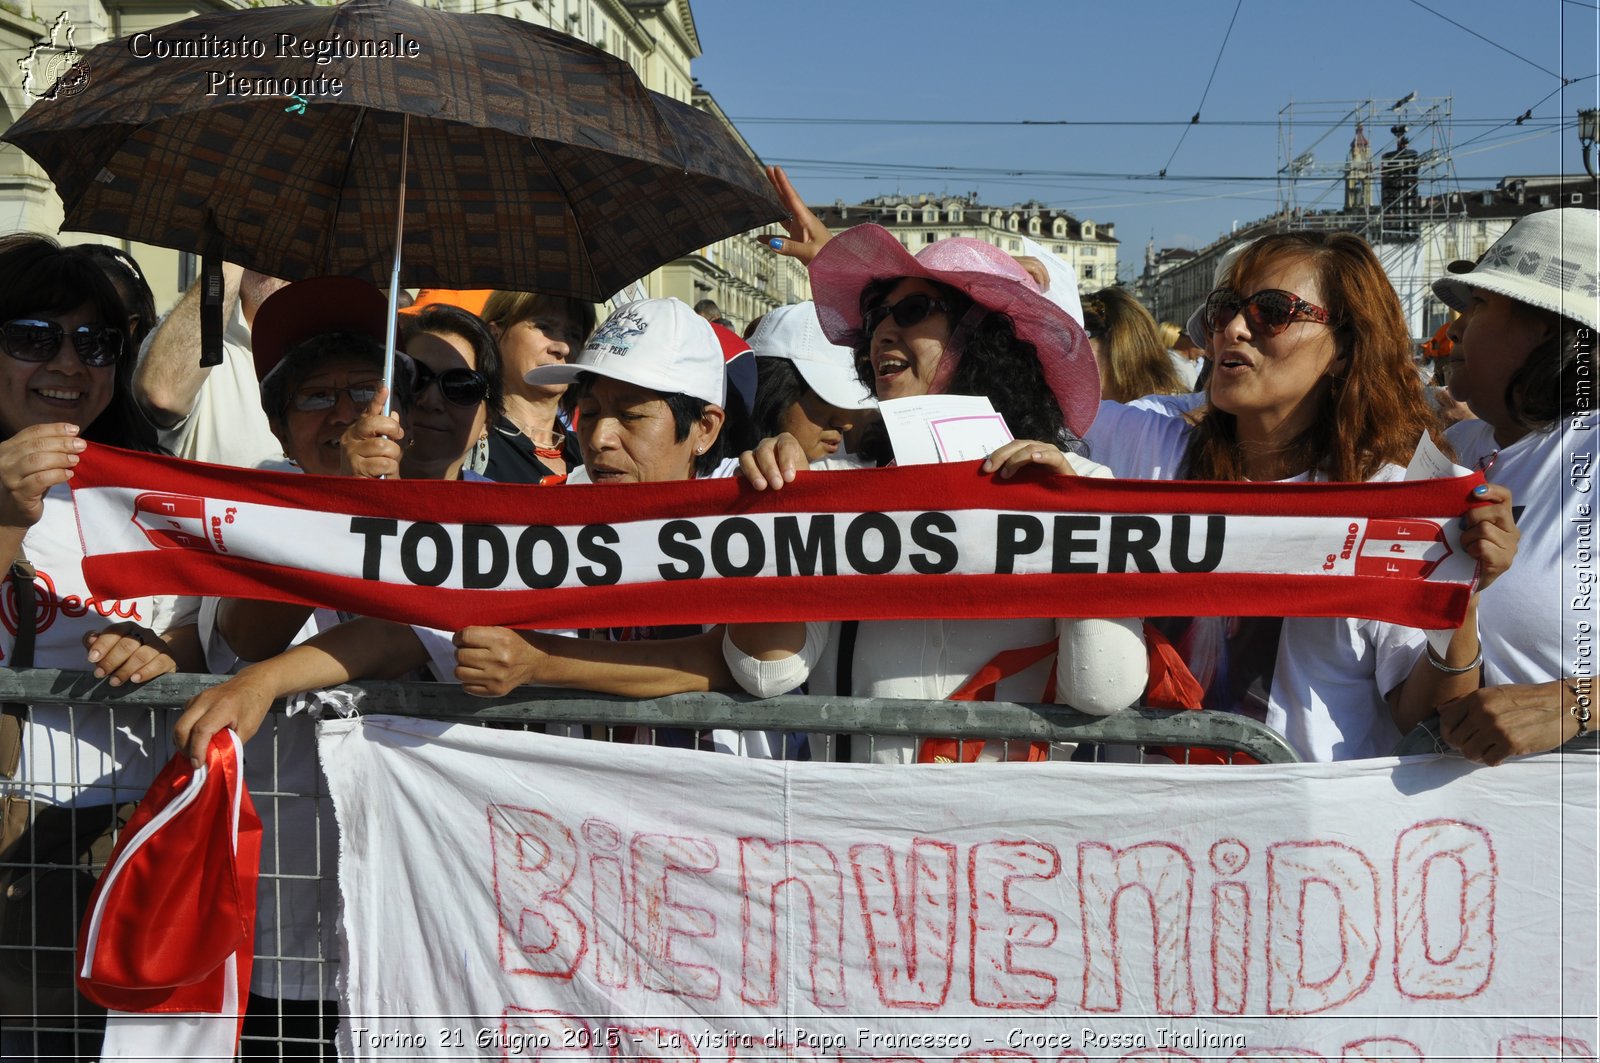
(1398, 649)
(1138, 444)
(766, 679)
(1101, 665)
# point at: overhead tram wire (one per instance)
(1132, 123)
(882, 169)
(1486, 40)
(1561, 122)
(1215, 64)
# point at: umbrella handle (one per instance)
(394, 276)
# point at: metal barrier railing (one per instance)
(1425, 738)
(796, 713)
(292, 1011)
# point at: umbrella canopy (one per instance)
(536, 162)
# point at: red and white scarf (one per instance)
(884, 544)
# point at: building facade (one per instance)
(1089, 247)
(656, 37)
(1414, 252)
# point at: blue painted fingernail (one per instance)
(1481, 489)
(775, 243)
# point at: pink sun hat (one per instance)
(990, 277)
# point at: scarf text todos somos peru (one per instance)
(908, 543)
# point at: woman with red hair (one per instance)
(1311, 381)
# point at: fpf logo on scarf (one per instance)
(481, 556)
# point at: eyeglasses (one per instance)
(1267, 312)
(907, 312)
(312, 400)
(30, 340)
(464, 387)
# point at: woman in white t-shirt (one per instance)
(1311, 381)
(64, 381)
(1524, 362)
(65, 368)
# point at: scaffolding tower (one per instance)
(1391, 190)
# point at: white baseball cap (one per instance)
(660, 344)
(793, 332)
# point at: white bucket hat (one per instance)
(1550, 260)
(793, 332)
(660, 344)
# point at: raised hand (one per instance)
(805, 232)
(370, 447)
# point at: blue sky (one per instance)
(1139, 61)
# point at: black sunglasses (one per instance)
(1267, 312)
(312, 400)
(464, 387)
(31, 340)
(907, 312)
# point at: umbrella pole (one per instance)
(394, 275)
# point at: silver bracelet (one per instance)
(1580, 708)
(1440, 665)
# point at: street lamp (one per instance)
(1588, 133)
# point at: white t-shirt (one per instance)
(1320, 682)
(92, 754)
(1138, 444)
(1188, 372)
(1529, 620)
(227, 425)
(1101, 664)
(931, 659)
(1170, 405)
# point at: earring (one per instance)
(479, 459)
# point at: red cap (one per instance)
(739, 363)
(297, 312)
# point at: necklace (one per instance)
(558, 439)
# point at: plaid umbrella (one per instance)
(536, 162)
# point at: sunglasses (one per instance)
(312, 400)
(907, 312)
(30, 340)
(1267, 312)
(464, 387)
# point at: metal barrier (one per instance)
(1425, 738)
(298, 895)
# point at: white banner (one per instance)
(518, 896)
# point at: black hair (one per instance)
(454, 321)
(39, 276)
(129, 280)
(686, 410)
(1553, 382)
(995, 363)
(779, 386)
(304, 357)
